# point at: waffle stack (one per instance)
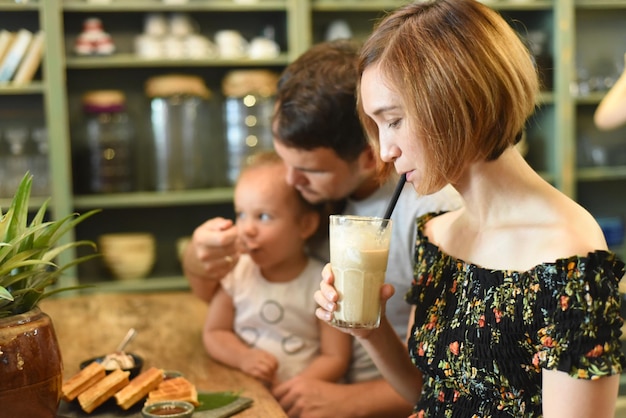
(92, 386)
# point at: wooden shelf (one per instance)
(599, 4)
(602, 173)
(35, 87)
(149, 284)
(16, 7)
(152, 199)
(159, 5)
(133, 61)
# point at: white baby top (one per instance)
(277, 317)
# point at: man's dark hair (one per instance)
(316, 101)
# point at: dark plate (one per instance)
(133, 372)
(213, 405)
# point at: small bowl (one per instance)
(169, 409)
(134, 371)
(128, 256)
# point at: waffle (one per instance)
(139, 387)
(81, 381)
(176, 389)
(97, 394)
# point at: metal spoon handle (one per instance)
(127, 339)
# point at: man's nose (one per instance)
(294, 177)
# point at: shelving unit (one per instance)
(577, 32)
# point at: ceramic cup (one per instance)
(155, 24)
(231, 44)
(263, 48)
(182, 25)
(148, 46)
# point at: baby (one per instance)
(262, 319)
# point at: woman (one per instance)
(515, 296)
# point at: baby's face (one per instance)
(268, 213)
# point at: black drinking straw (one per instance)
(394, 199)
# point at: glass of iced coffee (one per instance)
(359, 249)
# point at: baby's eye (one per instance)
(265, 217)
(239, 215)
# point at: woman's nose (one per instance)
(388, 151)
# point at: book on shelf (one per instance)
(6, 38)
(15, 54)
(32, 59)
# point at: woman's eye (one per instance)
(394, 123)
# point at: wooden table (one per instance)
(169, 327)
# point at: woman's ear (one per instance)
(309, 223)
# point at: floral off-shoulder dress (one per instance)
(481, 337)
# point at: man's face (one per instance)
(319, 174)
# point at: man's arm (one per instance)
(202, 285)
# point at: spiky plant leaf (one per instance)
(28, 252)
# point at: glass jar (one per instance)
(248, 108)
(108, 140)
(181, 132)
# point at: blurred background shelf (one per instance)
(582, 45)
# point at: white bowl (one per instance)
(128, 255)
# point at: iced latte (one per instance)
(359, 249)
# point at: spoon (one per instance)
(127, 339)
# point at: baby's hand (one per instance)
(259, 364)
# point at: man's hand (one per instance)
(303, 397)
(211, 254)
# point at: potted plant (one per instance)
(30, 359)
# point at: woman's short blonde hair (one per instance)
(467, 81)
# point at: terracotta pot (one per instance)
(30, 366)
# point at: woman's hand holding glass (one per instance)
(327, 298)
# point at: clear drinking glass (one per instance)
(359, 250)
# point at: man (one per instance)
(318, 135)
